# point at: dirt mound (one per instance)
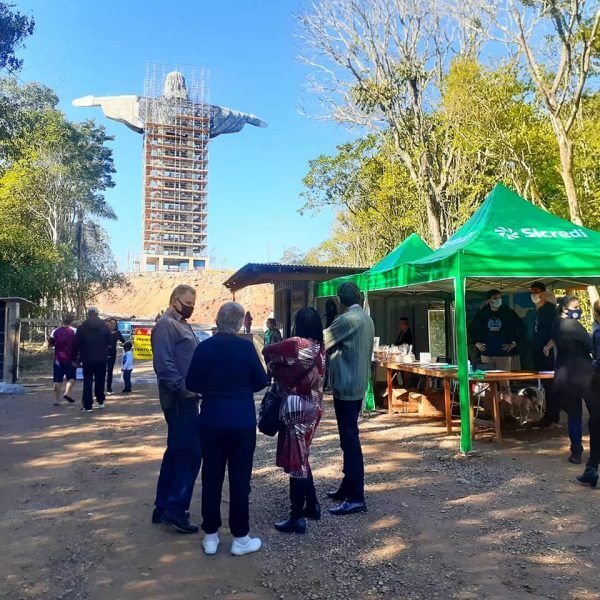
(145, 294)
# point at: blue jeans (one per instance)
(182, 458)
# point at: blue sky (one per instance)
(102, 48)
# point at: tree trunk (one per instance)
(433, 218)
(565, 146)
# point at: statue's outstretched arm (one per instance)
(225, 120)
(125, 109)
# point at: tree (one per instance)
(20, 107)
(52, 186)
(380, 64)
(14, 28)
(497, 134)
(559, 41)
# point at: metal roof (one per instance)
(19, 300)
(256, 273)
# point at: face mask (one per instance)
(496, 303)
(185, 311)
(535, 298)
(574, 314)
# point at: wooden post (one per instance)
(448, 405)
(11, 346)
(390, 389)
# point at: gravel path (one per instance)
(76, 496)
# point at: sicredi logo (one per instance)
(532, 232)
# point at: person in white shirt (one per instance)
(127, 366)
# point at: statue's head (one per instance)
(175, 86)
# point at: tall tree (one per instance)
(559, 41)
(380, 64)
(14, 28)
(52, 183)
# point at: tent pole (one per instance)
(462, 359)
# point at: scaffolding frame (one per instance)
(176, 112)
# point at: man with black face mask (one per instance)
(173, 345)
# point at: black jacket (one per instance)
(496, 328)
(92, 341)
(115, 336)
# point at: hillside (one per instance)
(147, 293)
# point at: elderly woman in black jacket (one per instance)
(226, 371)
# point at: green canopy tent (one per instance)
(507, 244)
(411, 249)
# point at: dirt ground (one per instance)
(76, 494)
(145, 294)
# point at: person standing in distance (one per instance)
(90, 348)
(115, 337)
(173, 345)
(545, 315)
(62, 340)
(349, 340)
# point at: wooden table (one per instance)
(446, 375)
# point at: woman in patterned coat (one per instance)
(297, 364)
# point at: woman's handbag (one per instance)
(268, 412)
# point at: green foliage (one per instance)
(51, 197)
(492, 129)
(14, 28)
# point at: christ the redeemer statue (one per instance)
(176, 131)
(126, 109)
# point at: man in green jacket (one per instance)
(349, 341)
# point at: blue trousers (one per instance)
(182, 458)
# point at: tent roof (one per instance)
(508, 240)
(411, 249)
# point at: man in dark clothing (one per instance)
(545, 315)
(405, 334)
(173, 345)
(90, 349)
(497, 331)
(115, 337)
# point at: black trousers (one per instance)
(94, 374)
(110, 365)
(552, 411)
(302, 495)
(353, 483)
(593, 406)
(233, 449)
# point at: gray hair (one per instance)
(92, 310)
(230, 317)
(181, 290)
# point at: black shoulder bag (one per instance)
(268, 412)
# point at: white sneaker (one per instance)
(251, 545)
(101, 405)
(210, 546)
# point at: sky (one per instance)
(249, 47)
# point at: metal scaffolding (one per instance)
(176, 114)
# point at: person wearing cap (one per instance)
(91, 349)
(545, 315)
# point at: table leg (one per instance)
(471, 414)
(496, 411)
(448, 405)
(390, 390)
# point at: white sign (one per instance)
(532, 232)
